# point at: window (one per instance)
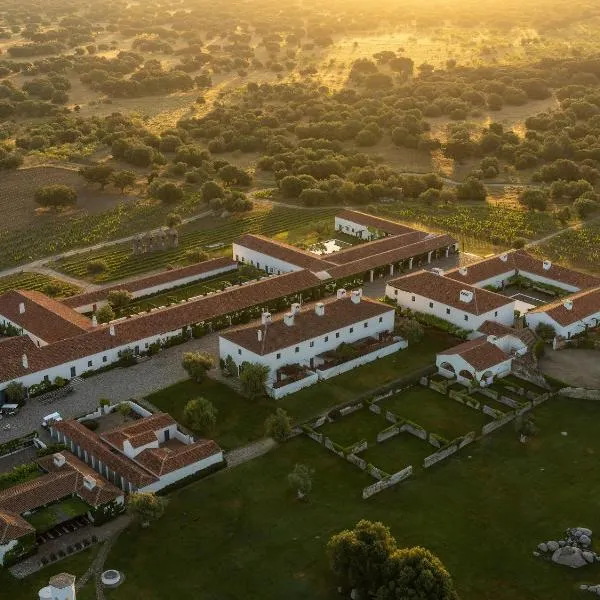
(366, 324)
(381, 319)
(73, 372)
(496, 314)
(312, 344)
(447, 311)
(239, 351)
(337, 335)
(46, 378)
(326, 338)
(297, 349)
(395, 292)
(351, 329)
(431, 305)
(278, 355)
(89, 363)
(104, 359)
(466, 317)
(414, 299)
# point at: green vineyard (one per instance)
(120, 261)
(38, 282)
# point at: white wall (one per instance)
(175, 476)
(548, 280)
(460, 364)
(456, 316)
(293, 386)
(163, 286)
(566, 331)
(306, 351)
(496, 280)
(262, 261)
(6, 548)
(352, 228)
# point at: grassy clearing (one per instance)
(39, 282)
(55, 514)
(398, 452)
(435, 412)
(198, 235)
(500, 500)
(361, 425)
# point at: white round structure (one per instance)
(111, 578)
(45, 593)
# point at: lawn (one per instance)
(361, 425)
(491, 403)
(516, 381)
(398, 452)
(241, 534)
(48, 517)
(435, 412)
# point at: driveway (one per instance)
(160, 371)
(578, 368)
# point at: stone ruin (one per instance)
(574, 550)
(163, 239)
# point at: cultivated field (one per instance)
(38, 282)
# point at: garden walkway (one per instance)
(254, 450)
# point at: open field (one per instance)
(199, 235)
(39, 282)
(501, 499)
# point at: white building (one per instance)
(462, 305)
(367, 227)
(60, 587)
(569, 316)
(303, 337)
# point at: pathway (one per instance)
(245, 453)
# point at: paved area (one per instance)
(27, 455)
(160, 371)
(241, 455)
(578, 368)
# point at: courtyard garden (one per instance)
(52, 515)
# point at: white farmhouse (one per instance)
(303, 337)
(367, 227)
(462, 305)
(569, 316)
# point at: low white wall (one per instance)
(4, 549)
(361, 360)
(294, 386)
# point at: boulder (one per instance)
(585, 540)
(569, 556)
(562, 543)
(589, 556)
(543, 547)
(552, 546)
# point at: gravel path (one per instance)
(241, 455)
(160, 371)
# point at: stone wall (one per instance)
(347, 410)
(493, 425)
(388, 433)
(415, 430)
(387, 483)
(438, 456)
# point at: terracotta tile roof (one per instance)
(143, 283)
(584, 304)
(373, 221)
(447, 291)
(62, 580)
(118, 463)
(509, 263)
(13, 527)
(307, 325)
(139, 432)
(56, 484)
(479, 353)
(431, 242)
(497, 329)
(161, 461)
(376, 247)
(48, 319)
(12, 350)
(285, 252)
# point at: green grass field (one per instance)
(361, 425)
(241, 534)
(398, 452)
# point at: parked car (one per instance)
(49, 419)
(9, 410)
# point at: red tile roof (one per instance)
(195, 270)
(161, 461)
(479, 353)
(48, 319)
(447, 291)
(13, 527)
(584, 304)
(372, 221)
(307, 325)
(139, 432)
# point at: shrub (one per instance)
(55, 195)
(96, 266)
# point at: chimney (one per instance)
(320, 309)
(89, 483)
(259, 335)
(111, 330)
(265, 318)
(568, 304)
(546, 264)
(295, 308)
(355, 295)
(463, 271)
(94, 321)
(341, 293)
(21, 307)
(504, 257)
(437, 271)
(25, 361)
(288, 319)
(492, 339)
(466, 296)
(59, 459)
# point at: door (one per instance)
(167, 435)
(73, 372)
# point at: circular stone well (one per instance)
(111, 578)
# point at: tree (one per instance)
(534, 199)
(200, 415)
(584, 207)
(415, 573)
(196, 364)
(124, 410)
(119, 299)
(146, 507)
(545, 331)
(525, 427)
(123, 179)
(291, 186)
(278, 425)
(105, 314)
(174, 219)
(300, 479)
(211, 189)
(55, 195)
(253, 378)
(15, 392)
(101, 174)
(357, 556)
(471, 189)
(168, 192)
(411, 330)
(231, 368)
